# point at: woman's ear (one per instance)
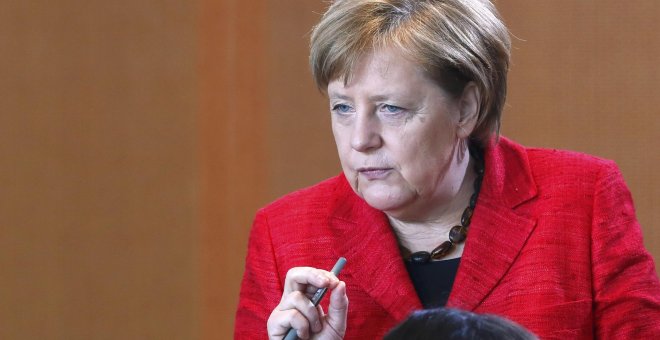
(468, 105)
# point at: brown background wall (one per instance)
(98, 170)
(137, 139)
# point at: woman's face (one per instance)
(396, 133)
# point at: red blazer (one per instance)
(553, 245)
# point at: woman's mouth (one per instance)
(371, 174)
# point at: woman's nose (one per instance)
(366, 134)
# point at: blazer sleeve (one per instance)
(626, 287)
(261, 288)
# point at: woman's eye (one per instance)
(341, 108)
(391, 109)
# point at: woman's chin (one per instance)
(385, 201)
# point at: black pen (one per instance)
(291, 334)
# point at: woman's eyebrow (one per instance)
(333, 95)
(372, 98)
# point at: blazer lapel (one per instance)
(500, 226)
(363, 236)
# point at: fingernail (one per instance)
(317, 326)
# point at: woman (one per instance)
(433, 208)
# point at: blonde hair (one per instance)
(453, 41)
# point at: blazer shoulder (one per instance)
(545, 161)
(565, 156)
(572, 178)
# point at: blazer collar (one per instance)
(500, 226)
(498, 231)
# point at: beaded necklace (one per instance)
(458, 233)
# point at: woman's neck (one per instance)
(425, 235)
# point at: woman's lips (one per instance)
(374, 173)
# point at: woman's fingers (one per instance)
(308, 280)
(296, 311)
(299, 302)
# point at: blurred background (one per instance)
(138, 138)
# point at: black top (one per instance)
(433, 280)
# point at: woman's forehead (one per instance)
(384, 63)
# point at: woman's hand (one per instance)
(297, 311)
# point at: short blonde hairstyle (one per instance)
(453, 41)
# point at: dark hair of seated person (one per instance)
(454, 324)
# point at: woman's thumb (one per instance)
(338, 309)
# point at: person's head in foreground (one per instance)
(432, 209)
(454, 324)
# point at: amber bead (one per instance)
(420, 257)
(467, 216)
(457, 234)
(441, 250)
